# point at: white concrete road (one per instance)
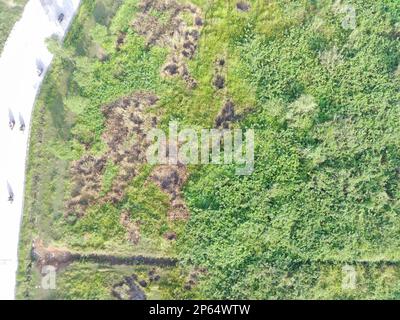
(25, 49)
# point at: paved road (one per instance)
(25, 49)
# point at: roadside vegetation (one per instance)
(322, 96)
(10, 12)
(325, 188)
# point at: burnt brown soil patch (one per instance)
(242, 6)
(132, 228)
(226, 115)
(128, 289)
(170, 235)
(193, 278)
(220, 73)
(173, 31)
(50, 256)
(125, 136)
(170, 179)
(219, 81)
(120, 40)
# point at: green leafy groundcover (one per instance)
(324, 194)
(325, 190)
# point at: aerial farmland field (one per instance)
(308, 208)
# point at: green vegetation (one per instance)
(10, 12)
(325, 186)
(87, 73)
(323, 100)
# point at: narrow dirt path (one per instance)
(60, 258)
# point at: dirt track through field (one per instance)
(131, 260)
(60, 258)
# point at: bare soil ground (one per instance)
(126, 124)
(128, 289)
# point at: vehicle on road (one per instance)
(60, 17)
(39, 67)
(11, 119)
(21, 123)
(10, 193)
